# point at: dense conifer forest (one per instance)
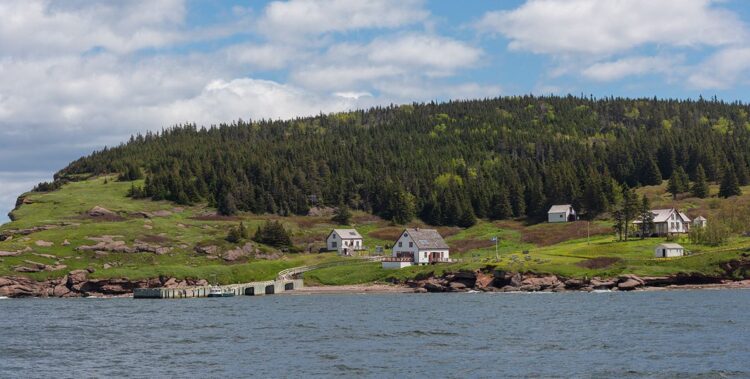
(446, 163)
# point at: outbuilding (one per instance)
(700, 222)
(561, 213)
(669, 250)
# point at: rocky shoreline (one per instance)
(501, 281)
(78, 284)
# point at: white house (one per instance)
(345, 241)
(418, 247)
(700, 222)
(561, 213)
(668, 250)
(666, 221)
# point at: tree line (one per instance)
(446, 163)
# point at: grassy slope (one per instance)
(557, 249)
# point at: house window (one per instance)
(411, 244)
(400, 244)
(333, 244)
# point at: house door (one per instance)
(663, 253)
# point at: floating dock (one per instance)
(246, 289)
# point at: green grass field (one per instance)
(561, 249)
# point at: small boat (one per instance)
(217, 291)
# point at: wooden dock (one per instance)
(245, 289)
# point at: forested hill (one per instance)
(446, 163)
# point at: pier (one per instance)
(245, 289)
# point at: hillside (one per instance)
(447, 164)
(184, 234)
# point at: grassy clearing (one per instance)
(561, 249)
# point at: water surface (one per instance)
(667, 334)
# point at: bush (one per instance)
(272, 233)
(714, 234)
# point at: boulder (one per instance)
(457, 286)
(420, 290)
(235, 254)
(574, 284)
(629, 285)
(207, 250)
(170, 283)
(66, 243)
(98, 211)
(41, 243)
(161, 213)
(434, 286)
(9, 253)
(483, 280)
(626, 277)
(60, 290)
(599, 284)
(77, 277)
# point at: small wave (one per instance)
(601, 291)
(3, 297)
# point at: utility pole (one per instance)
(588, 233)
(494, 239)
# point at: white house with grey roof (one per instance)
(345, 241)
(561, 213)
(418, 247)
(666, 222)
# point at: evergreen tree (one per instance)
(646, 217)
(342, 216)
(700, 186)
(226, 205)
(234, 235)
(730, 186)
(403, 207)
(273, 234)
(678, 183)
(651, 175)
(501, 208)
(243, 231)
(629, 210)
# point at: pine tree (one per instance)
(700, 186)
(234, 235)
(646, 217)
(651, 175)
(501, 208)
(678, 183)
(342, 216)
(629, 209)
(226, 205)
(730, 186)
(243, 231)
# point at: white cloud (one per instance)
(726, 68)
(225, 101)
(605, 27)
(347, 66)
(621, 68)
(44, 27)
(298, 18)
(429, 51)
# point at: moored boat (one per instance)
(217, 291)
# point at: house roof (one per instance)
(560, 208)
(670, 246)
(427, 238)
(662, 215)
(700, 218)
(347, 233)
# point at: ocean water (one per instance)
(665, 334)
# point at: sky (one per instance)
(78, 75)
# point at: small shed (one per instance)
(561, 213)
(700, 222)
(669, 250)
